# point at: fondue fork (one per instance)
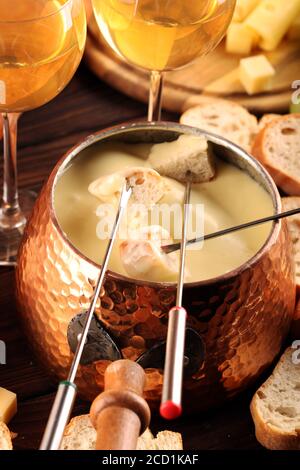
(170, 407)
(176, 246)
(65, 396)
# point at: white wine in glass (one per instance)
(162, 35)
(41, 45)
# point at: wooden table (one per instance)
(45, 134)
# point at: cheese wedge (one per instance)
(226, 85)
(256, 74)
(8, 405)
(271, 20)
(240, 39)
(243, 9)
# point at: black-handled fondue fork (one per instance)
(65, 396)
(170, 407)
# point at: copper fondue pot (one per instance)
(242, 316)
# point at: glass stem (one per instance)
(155, 96)
(12, 216)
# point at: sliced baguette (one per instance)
(168, 440)
(293, 223)
(186, 154)
(275, 407)
(5, 437)
(81, 435)
(277, 147)
(266, 119)
(225, 118)
(295, 328)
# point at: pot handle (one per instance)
(120, 414)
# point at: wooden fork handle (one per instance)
(120, 414)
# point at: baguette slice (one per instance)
(225, 118)
(295, 328)
(266, 119)
(275, 407)
(81, 435)
(5, 437)
(293, 223)
(277, 147)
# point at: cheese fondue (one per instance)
(231, 198)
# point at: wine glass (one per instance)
(41, 45)
(162, 35)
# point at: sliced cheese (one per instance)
(271, 20)
(243, 9)
(8, 405)
(255, 74)
(294, 31)
(240, 39)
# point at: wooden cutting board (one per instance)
(187, 87)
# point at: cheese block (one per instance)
(240, 39)
(255, 74)
(271, 20)
(294, 31)
(8, 405)
(243, 9)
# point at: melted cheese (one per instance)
(231, 198)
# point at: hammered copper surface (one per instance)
(243, 318)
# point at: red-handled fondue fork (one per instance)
(174, 360)
(170, 407)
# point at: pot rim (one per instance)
(180, 128)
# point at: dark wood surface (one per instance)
(86, 105)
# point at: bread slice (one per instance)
(277, 147)
(266, 119)
(167, 440)
(293, 223)
(295, 328)
(225, 118)
(81, 435)
(188, 153)
(275, 406)
(147, 185)
(5, 437)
